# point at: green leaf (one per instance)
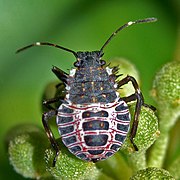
(68, 166)
(27, 144)
(152, 173)
(147, 131)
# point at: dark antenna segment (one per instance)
(147, 20)
(46, 44)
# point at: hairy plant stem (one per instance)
(167, 120)
(137, 160)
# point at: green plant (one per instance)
(31, 156)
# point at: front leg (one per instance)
(60, 74)
(139, 102)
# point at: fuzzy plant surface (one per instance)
(166, 93)
(31, 154)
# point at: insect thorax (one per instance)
(90, 81)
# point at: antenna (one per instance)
(147, 20)
(46, 44)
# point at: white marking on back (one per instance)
(109, 70)
(72, 72)
(67, 97)
(115, 85)
(67, 87)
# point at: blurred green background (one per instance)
(78, 25)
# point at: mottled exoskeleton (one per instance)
(93, 119)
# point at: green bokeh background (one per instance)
(78, 25)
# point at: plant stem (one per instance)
(137, 160)
(167, 120)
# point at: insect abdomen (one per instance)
(94, 132)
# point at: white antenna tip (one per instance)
(38, 43)
(130, 23)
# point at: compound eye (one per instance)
(77, 63)
(102, 62)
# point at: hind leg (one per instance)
(138, 97)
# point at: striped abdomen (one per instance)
(93, 132)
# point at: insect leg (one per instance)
(139, 102)
(47, 102)
(58, 97)
(45, 120)
(133, 98)
(60, 74)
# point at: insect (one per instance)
(93, 119)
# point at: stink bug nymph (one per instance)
(93, 119)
